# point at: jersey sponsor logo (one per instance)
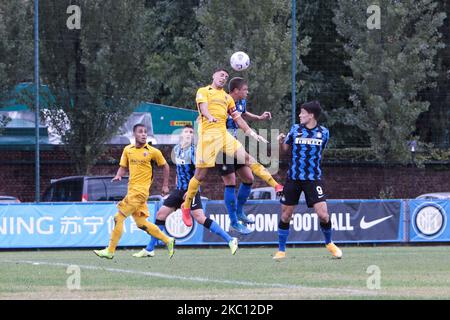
(308, 141)
(137, 162)
(367, 225)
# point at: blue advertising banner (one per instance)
(352, 221)
(429, 220)
(65, 225)
(68, 225)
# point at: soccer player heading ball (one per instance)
(214, 106)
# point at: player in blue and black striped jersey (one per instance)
(306, 142)
(184, 156)
(229, 167)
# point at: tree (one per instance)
(16, 48)
(389, 67)
(434, 124)
(95, 74)
(323, 77)
(175, 52)
(263, 31)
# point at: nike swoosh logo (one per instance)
(367, 225)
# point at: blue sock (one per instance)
(230, 202)
(242, 196)
(214, 227)
(326, 229)
(283, 233)
(151, 245)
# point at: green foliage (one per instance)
(263, 31)
(175, 51)
(389, 67)
(16, 45)
(94, 74)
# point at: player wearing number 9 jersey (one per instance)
(306, 142)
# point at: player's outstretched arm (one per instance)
(248, 131)
(266, 115)
(120, 173)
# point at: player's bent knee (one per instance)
(199, 216)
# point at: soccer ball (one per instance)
(239, 61)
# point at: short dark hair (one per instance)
(221, 69)
(312, 107)
(236, 83)
(137, 125)
(188, 126)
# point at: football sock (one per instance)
(194, 185)
(242, 196)
(214, 227)
(153, 240)
(262, 172)
(117, 232)
(326, 229)
(230, 200)
(150, 228)
(283, 233)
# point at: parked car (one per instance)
(434, 196)
(86, 188)
(9, 199)
(267, 193)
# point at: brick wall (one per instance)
(341, 181)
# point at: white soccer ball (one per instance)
(239, 61)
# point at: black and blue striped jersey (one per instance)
(241, 106)
(185, 163)
(307, 148)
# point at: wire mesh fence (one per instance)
(380, 70)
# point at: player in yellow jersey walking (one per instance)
(138, 159)
(214, 106)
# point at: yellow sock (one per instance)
(150, 228)
(194, 184)
(262, 172)
(117, 232)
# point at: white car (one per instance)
(434, 196)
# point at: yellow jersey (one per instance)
(139, 164)
(220, 105)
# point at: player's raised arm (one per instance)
(246, 128)
(266, 115)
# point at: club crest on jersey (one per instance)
(319, 135)
(145, 154)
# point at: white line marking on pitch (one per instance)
(196, 279)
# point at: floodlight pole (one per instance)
(294, 59)
(36, 97)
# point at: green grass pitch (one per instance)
(212, 273)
